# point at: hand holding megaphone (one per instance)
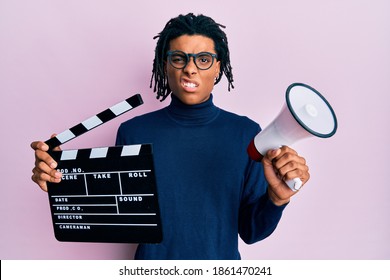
(306, 113)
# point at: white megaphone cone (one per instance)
(306, 113)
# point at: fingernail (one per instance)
(58, 175)
(53, 165)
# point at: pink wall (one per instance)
(63, 61)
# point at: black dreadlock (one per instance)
(189, 25)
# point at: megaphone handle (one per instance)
(294, 184)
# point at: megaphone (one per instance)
(306, 113)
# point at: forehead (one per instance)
(192, 44)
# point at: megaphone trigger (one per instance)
(294, 184)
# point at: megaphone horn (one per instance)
(306, 113)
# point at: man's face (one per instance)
(190, 84)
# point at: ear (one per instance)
(217, 68)
(165, 67)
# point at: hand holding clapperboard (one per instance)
(106, 194)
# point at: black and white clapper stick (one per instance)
(95, 121)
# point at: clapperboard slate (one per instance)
(106, 194)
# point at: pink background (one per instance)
(63, 61)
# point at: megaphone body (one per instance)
(306, 113)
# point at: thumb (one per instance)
(273, 153)
(271, 174)
(58, 147)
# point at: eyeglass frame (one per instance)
(188, 57)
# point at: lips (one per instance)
(189, 84)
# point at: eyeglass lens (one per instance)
(179, 59)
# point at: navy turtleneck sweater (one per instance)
(209, 190)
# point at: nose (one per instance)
(191, 67)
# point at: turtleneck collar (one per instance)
(198, 114)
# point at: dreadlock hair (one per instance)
(189, 25)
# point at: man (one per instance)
(209, 190)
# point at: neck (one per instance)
(197, 114)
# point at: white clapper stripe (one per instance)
(120, 108)
(69, 155)
(99, 152)
(92, 122)
(65, 136)
(130, 150)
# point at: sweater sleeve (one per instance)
(258, 216)
(119, 136)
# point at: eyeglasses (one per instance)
(202, 60)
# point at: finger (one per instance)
(41, 184)
(53, 176)
(58, 147)
(301, 172)
(39, 145)
(287, 157)
(270, 172)
(42, 178)
(272, 155)
(292, 174)
(42, 167)
(46, 158)
(42, 145)
(290, 166)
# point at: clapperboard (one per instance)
(106, 194)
